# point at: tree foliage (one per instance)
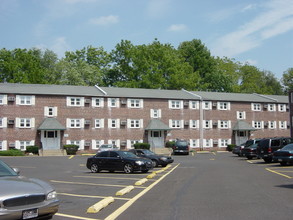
(191, 66)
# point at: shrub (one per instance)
(170, 144)
(71, 149)
(32, 149)
(142, 146)
(12, 152)
(230, 147)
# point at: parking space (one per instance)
(86, 195)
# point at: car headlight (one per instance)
(163, 158)
(52, 195)
(139, 162)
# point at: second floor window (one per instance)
(257, 124)
(155, 113)
(75, 101)
(135, 123)
(255, 107)
(25, 100)
(223, 106)
(241, 115)
(75, 123)
(135, 103)
(175, 104)
(282, 107)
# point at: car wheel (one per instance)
(128, 168)
(145, 171)
(283, 163)
(249, 157)
(155, 163)
(94, 168)
(267, 160)
(111, 171)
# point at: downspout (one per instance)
(201, 136)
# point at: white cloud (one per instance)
(60, 46)
(157, 8)
(274, 20)
(105, 20)
(177, 27)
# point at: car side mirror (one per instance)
(16, 170)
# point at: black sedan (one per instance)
(285, 155)
(157, 159)
(118, 161)
(25, 198)
(250, 151)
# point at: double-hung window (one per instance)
(156, 113)
(75, 101)
(113, 102)
(99, 123)
(223, 106)
(257, 124)
(135, 103)
(75, 123)
(176, 123)
(241, 115)
(25, 100)
(98, 102)
(175, 104)
(255, 106)
(281, 107)
(135, 123)
(224, 124)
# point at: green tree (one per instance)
(287, 80)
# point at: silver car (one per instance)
(25, 198)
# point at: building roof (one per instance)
(156, 124)
(243, 126)
(241, 97)
(45, 89)
(95, 91)
(51, 124)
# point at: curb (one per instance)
(151, 175)
(140, 182)
(124, 191)
(100, 205)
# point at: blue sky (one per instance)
(256, 31)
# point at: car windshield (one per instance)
(127, 154)
(5, 170)
(288, 147)
(181, 143)
(148, 152)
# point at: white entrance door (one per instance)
(50, 140)
(156, 139)
(241, 137)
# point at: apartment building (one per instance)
(51, 116)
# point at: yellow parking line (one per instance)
(120, 210)
(92, 184)
(105, 177)
(71, 157)
(75, 217)
(88, 196)
(281, 174)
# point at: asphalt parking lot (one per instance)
(81, 191)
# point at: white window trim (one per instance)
(68, 122)
(196, 124)
(30, 97)
(228, 122)
(140, 103)
(110, 123)
(181, 123)
(207, 143)
(159, 111)
(68, 101)
(102, 123)
(110, 102)
(253, 107)
(3, 99)
(270, 123)
(18, 120)
(94, 144)
(209, 107)
(282, 109)
(241, 112)
(4, 145)
(192, 144)
(221, 104)
(273, 109)
(4, 122)
(210, 124)
(101, 102)
(282, 125)
(46, 111)
(196, 104)
(220, 143)
(261, 124)
(140, 123)
(180, 102)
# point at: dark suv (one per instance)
(266, 147)
(181, 147)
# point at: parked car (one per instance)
(118, 161)
(25, 198)
(161, 160)
(266, 147)
(107, 147)
(238, 149)
(250, 151)
(181, 147)
(284, 155)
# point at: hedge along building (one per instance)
(50, 116)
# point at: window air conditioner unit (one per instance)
(123, 102)
(265, 105)
(214, 104)
(215, 124)
(123, 143)
(87, 143)
(186, 123)
(87, 122)
(123, 122)
(186, 104)
(87, 101)
(266, 124)
(12, 144)
(215, 142)
(11, 98)
(11, 122)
